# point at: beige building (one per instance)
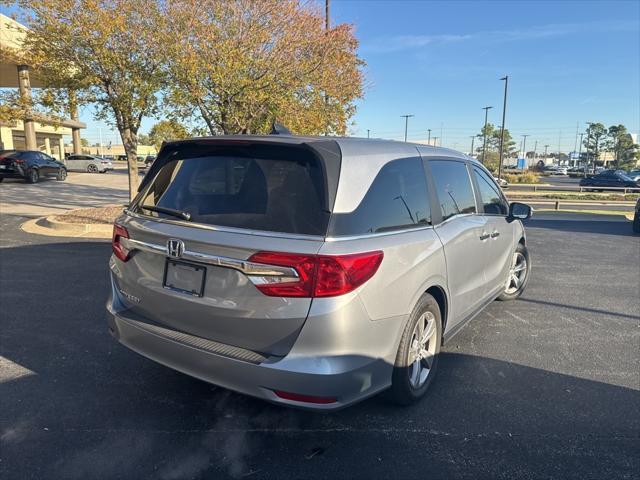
(34, 131)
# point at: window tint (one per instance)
(453, 187)
(282, 191)
(397, 199)
(492, 200)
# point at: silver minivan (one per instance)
(311, 271)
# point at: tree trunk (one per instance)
(130, 141)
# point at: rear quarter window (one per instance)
(277, 189)
(396, 200)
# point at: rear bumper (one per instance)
(347, 378)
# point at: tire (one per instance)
(32, 176)
(62, 175)
(636, 223)
(512, 289)
(405, 390)
(91, 168)
(1, 179)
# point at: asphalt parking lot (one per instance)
(544, 387)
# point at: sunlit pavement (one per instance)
(544, 387)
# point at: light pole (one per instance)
(535, 150)
(524, 146)
(368, 132)
(584, 170)
(484, 147)
(473, 137)
(504, 114)
(545, 154)
(429, 136)
(406, 124)
(435, 141)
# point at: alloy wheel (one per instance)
(422, 350)
(517, 273)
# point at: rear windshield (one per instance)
(271, 188)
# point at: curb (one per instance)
(53, 228)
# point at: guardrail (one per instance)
(571, 188)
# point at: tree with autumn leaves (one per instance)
(233, 66)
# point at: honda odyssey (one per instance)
(311, 271)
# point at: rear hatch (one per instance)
(204, 209)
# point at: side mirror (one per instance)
(519, 211)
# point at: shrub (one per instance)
(525, 177)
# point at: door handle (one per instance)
(495, 234)
(484, 236)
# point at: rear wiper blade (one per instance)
(169, 211)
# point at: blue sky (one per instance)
(568, 62)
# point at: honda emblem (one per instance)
(175, 248)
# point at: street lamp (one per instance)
(484, 147)
(429, 136)
(504, 114)
(524, 146)
(473, 137)
(406, 124)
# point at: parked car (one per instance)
(502, 182)
(562, 171)
(309, 271)
(88, 163)
(634, 175)
(636, 217)
(609, 180)
(30, 165)
(149, 159)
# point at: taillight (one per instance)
(318, 275)
(116, 245)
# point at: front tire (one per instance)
(417, 358)
(62, 175)
(636, 223)
(32, 176)
(518, 274)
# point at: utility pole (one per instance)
(574, 143)
(326, 14)
(429, 136)
(406, 124)
(435, 141)
(504, 114)
(484, 147)
(473, 137)
(100, 133)
(368, 132)
(559, 142)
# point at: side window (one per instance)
(492, 200)
(397, 199)
(453, 187)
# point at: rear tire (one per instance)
(417, 358)
(32, 176)
(92, 168)
(62, 175)
(518, 274)
(636, 223)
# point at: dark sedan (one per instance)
(30, 165)
(609, 180)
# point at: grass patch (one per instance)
(616, 197)
(525, 177)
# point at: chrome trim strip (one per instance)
(378, 234)
(248, 268)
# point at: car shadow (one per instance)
(75, 404)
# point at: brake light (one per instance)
(17, 161)
(319, 275)
(116, 245)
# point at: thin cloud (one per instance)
(410, 42)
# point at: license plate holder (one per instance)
(184, 277)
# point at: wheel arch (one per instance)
(440, 296)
